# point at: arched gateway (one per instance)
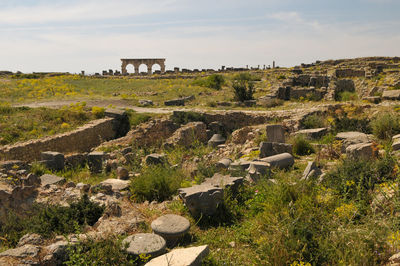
(148, 62)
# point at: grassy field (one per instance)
(22, 123)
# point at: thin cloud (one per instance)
(89, 10)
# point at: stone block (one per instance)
(53, 160)
(216, 140)
(116, 184)
(155, 158)
(122, 173)
(258, 169)
(171, 227)
(175, 102)
(275, 133)
(361, 150)
(273, 148)
(313, 133)
(95, 161)
(223, 163)
(282, 161)
(391, 95)
(148, 244)
(47, 180)
(191, 256)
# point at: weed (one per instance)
(313, 121)
(386, 125)
(301, 146)
(156, 183)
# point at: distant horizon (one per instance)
(199, 68)
(75, 35)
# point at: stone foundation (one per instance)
(82, 139)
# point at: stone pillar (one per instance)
(162, 67)
(123, 68)
(136, 66)
(149, 67)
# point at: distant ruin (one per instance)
(149, 62)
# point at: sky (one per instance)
(92, 35)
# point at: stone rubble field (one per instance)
(313, 183)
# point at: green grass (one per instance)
(22, 123)
(49, 221)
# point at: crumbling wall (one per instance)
(82, 139)
(348, 73)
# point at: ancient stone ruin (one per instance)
(149, 62)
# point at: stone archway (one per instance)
(149, 62)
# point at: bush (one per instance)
(98, 112)
(301, 146)
(313, 121)
(281, 77)
(215, 81)
(50, 220)
(344, 123)
(136, 119)
(182, 118)
(347, 96)
(243, 90)
(246, 77)
(104, 252)
(156, 183)
(354, 179)
(385, 125)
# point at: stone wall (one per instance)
(347, 73)
(83, 139)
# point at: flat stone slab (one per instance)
(21, 252)
(149, 244)
(352, 135)
(47, 179)
(116, 184)
(219, 180)
(170, 226)
(181, 257)
(391, 95)
(313, 133)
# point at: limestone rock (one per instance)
(224, 163)
(155, 158)
(175, 102)
(314, 133)
(240, 136)
(47, 180)
(258, 169)
(53, 160)
(275, 133)
(187, 135)
(216, 140)
(170, 226)
(95, 161)
(122, 173)
(116, 184)
(361, 150)
(21, 252)
(352, 137)
(311, 171)
(30, 238)
(274, 148)
(149, 244)
(192, 256)
(283, 160)
(391, 95)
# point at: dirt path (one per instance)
(122, 104)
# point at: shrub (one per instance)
(243, 90)
(136, 119)
(50, 220)
(156, 183)
(182, 118)
(353, 179)
(98, 112)
(385, 125)
(215, 81)
(301, 146)
(344, 123)
(347, 96)
(281, 77)
(246, 77)
(313, 121)
(108, 251)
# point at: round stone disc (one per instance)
(149, 244)
(170, 225)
